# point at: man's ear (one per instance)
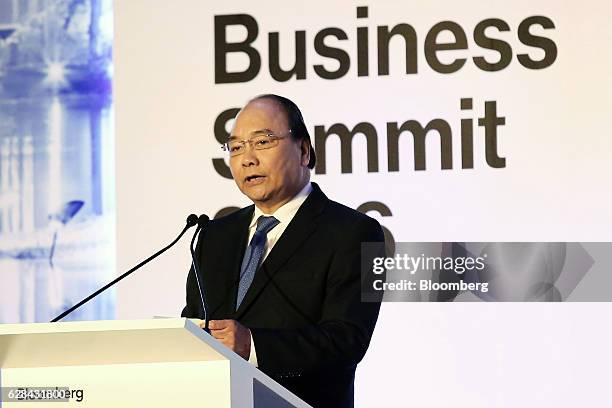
(305, 152)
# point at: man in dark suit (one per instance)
(282, 278)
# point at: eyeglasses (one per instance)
(259, 141)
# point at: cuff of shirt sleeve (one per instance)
(253, 355)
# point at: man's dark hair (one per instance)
(295, 121)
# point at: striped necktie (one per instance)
(253, 255)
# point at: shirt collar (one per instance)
(288, 210)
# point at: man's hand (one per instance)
(233, 335)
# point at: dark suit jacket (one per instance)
(304, 309)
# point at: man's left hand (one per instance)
(233, 335)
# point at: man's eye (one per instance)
(234, 148)
(262, 142)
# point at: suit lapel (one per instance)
(237, 234)
(299, 229)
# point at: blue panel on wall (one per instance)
(57, 200)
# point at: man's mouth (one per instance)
(254, 179)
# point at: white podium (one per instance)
(134, 363)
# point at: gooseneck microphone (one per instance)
(192, 220)
(202, 221)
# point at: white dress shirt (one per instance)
(284, 215)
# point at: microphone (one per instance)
(192, 220)
(202, 221)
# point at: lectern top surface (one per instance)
(106, 342)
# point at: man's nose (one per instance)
(249, 157)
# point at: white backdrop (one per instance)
(554, 186)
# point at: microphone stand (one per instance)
(202, 221)
(191, 221)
